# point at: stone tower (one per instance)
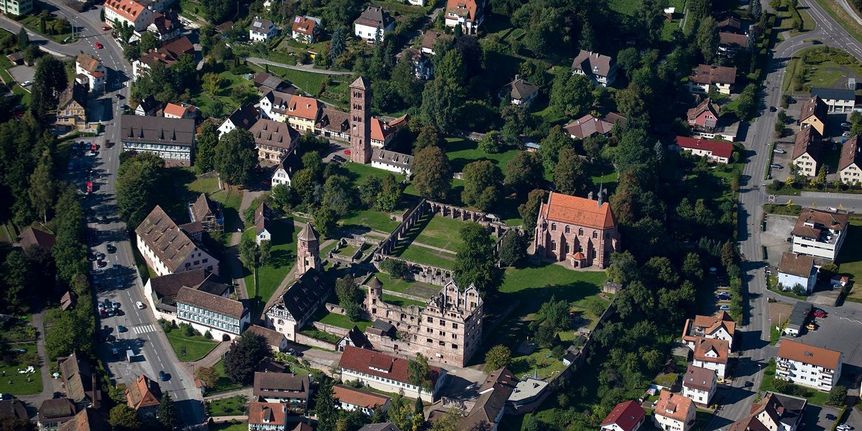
(360, 121)
(307, 251)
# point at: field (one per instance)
(851, 259)
(342, 321)
(329, 88)
(231, 88)
(229, 426)
(427, 256)
(401, 302)
(282, 256)
(372, 219)
(529, 288)
(189, 348)
(432, 241)
(14, 383)
(820, 67)
(232, 406)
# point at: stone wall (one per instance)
(313, 342)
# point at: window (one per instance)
(454, 346)
(430, 319)
(595, 234)
(454, 326)
(553, 226)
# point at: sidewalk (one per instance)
(212, 357)
(48, 388)
(247, 392)
(304, 68)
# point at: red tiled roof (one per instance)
(706, 74)
(465, 8)
(578, 211)
(378, 364)
(303, 25)
(706, 345)
(303, 107)
(674, 406)
(626, 415)
(796, 351)
(174, 109)
(267, 413)
(128, 9)
(718, 148)
(358, 398)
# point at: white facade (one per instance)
(264, 235)
(195, 260)
(826, 249)
(392, 386)
(706, 88)
(370, 33)
(226, 127)
(391, 167)
(96, 80)
(789, 281)
(699, 396)
(667, 423)
(718, 367)
(220, 326)
(280, 176)
(840, 105)
(852, 174)
(261, 30)
(266, 107)
(416, 2)
(808, 375)
(806, 165)
(136, 15)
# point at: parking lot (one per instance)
(834, 333)
(778, 228)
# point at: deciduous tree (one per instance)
(475, 261)
(569, 174)
(350, 297)
(244, 356)
(513, 248)
(497, 357)
(529, 210)
(482, 182)
(235, 156)
(524, 172)
(432, 175)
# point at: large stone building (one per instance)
(579, 231)
(172, 139)
(387, 373)
(448, 329)
(274, 140)
(168, 248)
(360, 121)
(307, 250)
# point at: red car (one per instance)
(106, 27)
(99, 45)
(818, 313)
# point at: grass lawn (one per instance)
(231, 86)
(461, 151)
(32, 22)
(442, 232)
(282, 256)
(851, 259)
(189, 349)
(373, 219)
(356, 171)
(229, 426)
(329, 88)
(816, 67)
(428, 256)
(629, 7)
(414, 288)
(7, 79)
(230, 199)
(343, 321)
(223, 382)
(21, 384)
(401, 302)
(232, 406)
(815, 397)
(320, 335)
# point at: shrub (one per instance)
(208, 335)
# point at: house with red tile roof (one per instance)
(130, 12)
(718, 326)
(588, 125)
(263, 416)
(705, 78)
(92, 70)
(674, 412)
(807, 365)
(386, 373)
(468, 14)
(143, 396)
(704, 116)
(714, 150)
(351, 399)
(302, 113)
(850, 162)
(712, 354)
(305, 29)
(576, 230)
(625, 416)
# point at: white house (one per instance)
(224, 318)
(706, 78)
(839, 100)
(599, 68)
(168, 249)
(274, 105)
(699, 385)
(712, 354)
(797, 270)
(243, 118)
(128, 12)
(261, 30)
(718, 326)
(297, 305)
(820, 233)
(350, 399)
(810, 366)
(261, 224)
(386, 373)
(467, 14)
(625, 416)
(850, 162)
(807, 150)
(374, 22)
(673, 412)
(392, 161)
(280, 176)
(91, 68)
(305, 29)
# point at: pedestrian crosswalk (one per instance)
(144, 329)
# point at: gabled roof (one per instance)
(334, 120)
(393, 158)
(704, 348)
(146, 129)
(208, 301)
(800, 352)
(149, 104)
(430, 37)
(348, 395)
(244, 117)
(31, 237)
(493, 395)
(851, 153)
(260, 413)
(269, 81)
(360, 83)
(727, 38)
(128, 9)
(705, 74)
(796, 264)
(578, 211)
(464, 8)
(303, 107)
(203, 208)
(90, 64)
(304, 25)
(811, 222)
(717, 147)
(143, 393)
(274, 134)
(834, 93)
(587, 126)
(304, 296)
(280, 385)
(521, 89)
(76, 93)
(730, 23)
(13, 409)
(164, 23)
(170, 244)
(77, 378)
(55, 408)
(261, 218)
(380, 365)
(704, 106)
(702, 379)
(807, 142)
(86, 420)
(261, 25)
(711, 324)
(674, 406)
(166, 287)
(383, 426)
(175, 109)
(592, 63)
(273, 338)
(373, 16)
(813, 107)
(626, 415)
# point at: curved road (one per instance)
(755, 350)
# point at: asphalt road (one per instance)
(119, 280)
(755, 350)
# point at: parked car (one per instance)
(779, 151)
(845, 125)
(140, 305)
(101, 263)
(724, 308)
(99, 45)
(163, 376)
(818, 313)
(776, 166)
(121, 329)
(111, 248)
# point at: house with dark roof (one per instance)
(699, 385)
(79, 381)
(168, 249)
(731, 43)
(588, 125)
(383, 426)
(600, 68)
(13, 410)
(429, 39)
(54, 412)
(144, 396)
(161, 292)
(705, 78)
(266, 82)
(274, 140)
(713, 150)
(148, 106)
(334, 124)
(350, 399)
(797, 271)
(850, 162)
(807, 149)
(820, 233)
(839, 100)
(289, 389)
(467, 14)
(172, 139)
(87, 420)
(31, 237)
(580, 231)
(798, 317)
(165, 26)
(243, 118)
(625, 416)
(206, 212)
(261, 30)
(298, 304)
(387, 373)
(274, 339)
(274, 105)
(262, 228)
(372, 24)
(774, 412)
(520, 92)
(224, 318)
(354, 337)
(487, 412)
(168, 54)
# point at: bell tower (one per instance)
(360, 121)
(307, 250)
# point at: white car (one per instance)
(140, 305)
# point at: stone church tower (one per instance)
(307, 251)
(360, 121)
